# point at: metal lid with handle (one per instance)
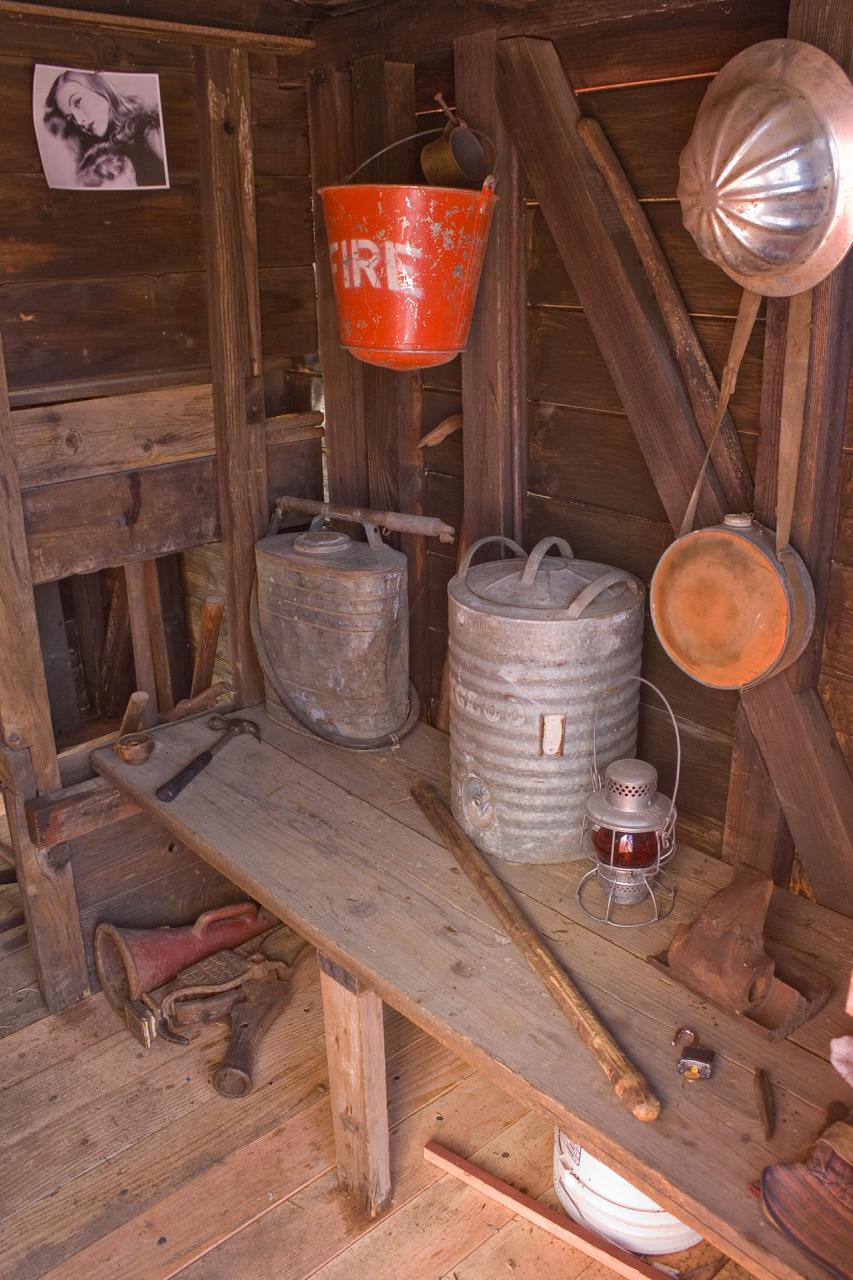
(545, 587)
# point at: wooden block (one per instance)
(355, 1049)
(76, 811)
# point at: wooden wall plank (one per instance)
(150, 512)
(24, 704)
(116, 433)
(494, 438)
(566, 366)
(166, 315)
(638, 45)
(383, 99)
(330, 135)
(56, 659)
(231, 247)
(705, 288)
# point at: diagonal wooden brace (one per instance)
(540, 110)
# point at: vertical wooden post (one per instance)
(90, 616)
(355, 1047)
(47, 890)
(24, 705)
(140, 634)
(383, 110)
(755, 829)
(330, 136)
(230, 234)
(494, 404)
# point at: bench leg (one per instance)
(355, 1048)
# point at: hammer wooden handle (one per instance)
(629, 1086)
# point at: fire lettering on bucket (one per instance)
(385, 264)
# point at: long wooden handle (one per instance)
(628, 1085)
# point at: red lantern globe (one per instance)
(632, 829)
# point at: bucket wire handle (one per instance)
(426, 133)
(596, 776)
(595, 588)
(481, 542)
(537, 555)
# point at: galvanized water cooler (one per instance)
(534, 641)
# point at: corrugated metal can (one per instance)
(534, 642)
(334, 617)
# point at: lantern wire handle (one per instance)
(612, 689)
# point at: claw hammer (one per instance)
(230, 729)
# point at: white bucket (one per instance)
(600, 1199)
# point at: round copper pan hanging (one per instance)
(725, 609)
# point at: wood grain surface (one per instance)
(394, 913)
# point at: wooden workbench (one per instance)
(332, 843)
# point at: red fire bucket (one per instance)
(406, 263)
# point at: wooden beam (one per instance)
(699, 380)
(180, 32)
(76, 811)
(164, 603)
(231, 251)
(613, 41)
(212, 608)
(90, 616)
(816, 820)
(755, 829)
(81, 438)
(812, 782)
(541, 113)
(330, 136)
(137, 515)
(50, 909)
(554, 1221)
(383, 108)
(494, 404)
(355, 1047)
(24, 705)
(56, 659)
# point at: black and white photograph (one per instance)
(99, 130)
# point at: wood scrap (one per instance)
(135, 713)
(212, 609)
(555, 1223)
(628, 1085)
(765, 1102)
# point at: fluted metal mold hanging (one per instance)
(766, 180)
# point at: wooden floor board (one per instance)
(174, 1180)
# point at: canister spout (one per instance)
(396, 521)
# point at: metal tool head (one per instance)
(236, 725)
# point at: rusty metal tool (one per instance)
(627, 1082)
(263, 998)
(230, 729)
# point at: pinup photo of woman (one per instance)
(99, 130)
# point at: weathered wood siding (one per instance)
(105, 290)
(587, 479)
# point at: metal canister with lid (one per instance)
(534, 642)
(334, 624)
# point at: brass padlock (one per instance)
(695, 1062)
